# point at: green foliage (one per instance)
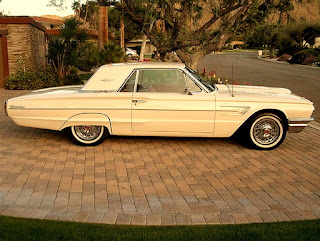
(88, 57)
(196, 27)
(288, 39)
(86, 76)
(301, 32)
(73, 78)
(305, 57)
(131, 29)
(88, 12)
(267, 35)
(111, 53)
(63, 51)
(57, 3)
(32, 80)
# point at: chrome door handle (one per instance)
(139, 101)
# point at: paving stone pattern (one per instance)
(156, 181)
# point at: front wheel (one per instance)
(266, 131)
(88, 135)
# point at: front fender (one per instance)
(97, 119)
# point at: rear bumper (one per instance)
(297, 125)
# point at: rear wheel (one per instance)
(266, 131)
(88, 135)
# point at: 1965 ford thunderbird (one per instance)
(162, 99)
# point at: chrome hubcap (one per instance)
(266, 131)
(87, 133)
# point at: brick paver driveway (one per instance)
(144, 180)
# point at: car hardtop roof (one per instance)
(153, 65)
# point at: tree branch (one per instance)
(217, 17)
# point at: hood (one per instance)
(260, 93)
(254, 89)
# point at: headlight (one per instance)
(5, 107)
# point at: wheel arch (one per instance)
(88, 119)
(277, 112)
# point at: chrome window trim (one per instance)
(126, 81)
(202, 87)
(136, 81)
(197, 81)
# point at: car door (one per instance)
(161, 104)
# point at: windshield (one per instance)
(207, 84)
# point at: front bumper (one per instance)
(297, 125)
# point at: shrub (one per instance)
(111, 53)
(63, 50)
(73, 78)
(304, 57)
(88, 56)
(32, 80)
(317, 62)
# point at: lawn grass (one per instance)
(32, 229)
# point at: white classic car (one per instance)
(162, 99)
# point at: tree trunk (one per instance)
(162, 56)
(191, 60)
(87, 7)
(122, 44)
(143, 47)
(103, 28)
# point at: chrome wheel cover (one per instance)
(87, 133)
(266, 131)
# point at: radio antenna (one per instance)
(232, 80)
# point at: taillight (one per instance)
(5, 108)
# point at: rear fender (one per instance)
(97, 119)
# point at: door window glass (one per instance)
(129, 86)
(161, 81)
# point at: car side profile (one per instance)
(162, 99)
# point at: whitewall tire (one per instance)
(88, 135)
(266, 131)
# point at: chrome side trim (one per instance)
(112, 109)
(297, 125)
(301, 120)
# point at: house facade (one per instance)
(50, 22)
(150, 48)
(23, 43)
